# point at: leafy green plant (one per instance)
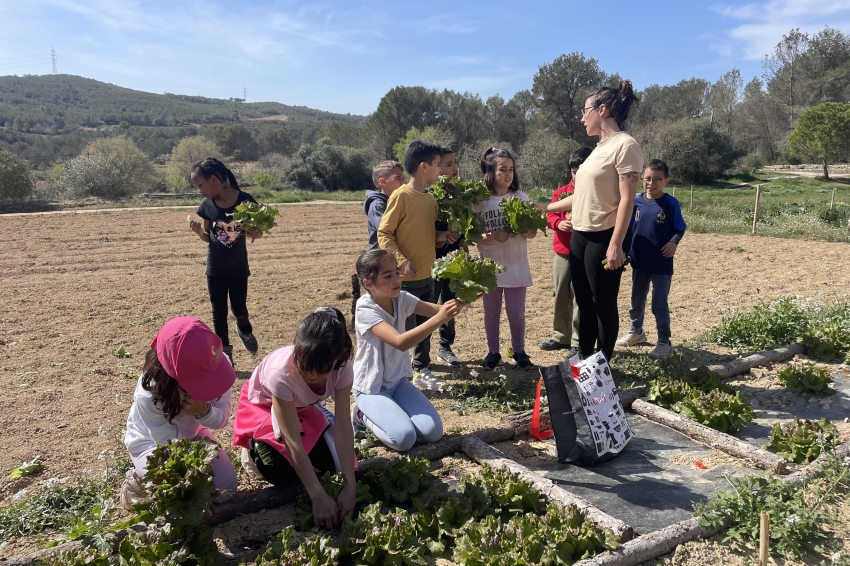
(121, 352)
(32, 467)
(764, 326)
(313, 551)
(392, 538)
(333, 485)
(399, 480)
(468, 276)
(801, 441)
(255, 215)
(806, 378)
(709, 402)
(828, 335)
(179, 481)
(455, 198)
(522, 216)
(557, 537)
(505, 493)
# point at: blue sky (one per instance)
(343, 56)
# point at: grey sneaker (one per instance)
(632, 339)
(661, 351)
(248, 340)
(425, 380)
(446, 355)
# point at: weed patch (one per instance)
(478, 392)
(798, 515)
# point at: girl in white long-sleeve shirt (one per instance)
(183, 392)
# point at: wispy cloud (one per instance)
(760, 26)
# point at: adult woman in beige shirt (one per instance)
(601, 216)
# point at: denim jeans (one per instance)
(400, 415)
(660, 290)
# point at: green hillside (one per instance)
(47, 118)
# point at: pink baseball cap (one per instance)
(192, 354)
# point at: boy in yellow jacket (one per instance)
(408, 232)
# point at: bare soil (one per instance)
(78, 286)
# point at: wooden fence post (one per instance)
(832, 201)
(756, 212)
(764, 538)
(692, 197)
(674, 192)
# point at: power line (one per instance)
(53, 59)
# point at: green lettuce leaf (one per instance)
(522, 216)
(255, 215)
(455, 198)
(467, 276)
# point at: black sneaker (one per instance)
(574, 351)
(357, 422)
(552, 344)
(522, 360)
(446, 355)
(492, 360)
(249, 341)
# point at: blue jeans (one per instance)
(400, 415)
(660, 290)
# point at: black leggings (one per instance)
(596, 290)
(276, 469)
(219, 289)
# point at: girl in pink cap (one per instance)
(183, 392)
(282, 426)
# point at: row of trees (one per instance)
(700, 127)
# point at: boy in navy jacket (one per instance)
(658, 227)
(387, 176)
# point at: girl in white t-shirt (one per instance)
(509, 250)
(387, 402)
(281, 424)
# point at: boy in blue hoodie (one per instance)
(387, 176)
(658, 228)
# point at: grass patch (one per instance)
(61, 507)
(824, 329)
(489, 392)
(790, 207)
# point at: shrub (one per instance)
(748, 164)
(543, 158)
(184, 155)
(107, 168)
(329, 167)
(16, 180)
(695, 151)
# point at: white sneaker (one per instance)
(248, 464)
(661, 351)
(632, 339)
(425, 380)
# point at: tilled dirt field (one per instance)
(78, 286)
